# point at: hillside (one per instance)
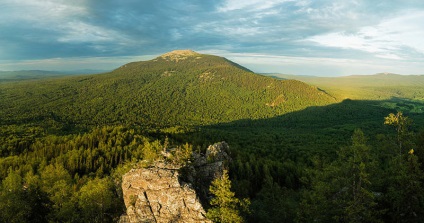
(376, 87)
(177, 88)
(296, 150)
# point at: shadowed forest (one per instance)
(299, 153)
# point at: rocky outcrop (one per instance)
(166, 192)
(155, 194)
(207, 167)
(178, 55)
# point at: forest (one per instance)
(300, 153)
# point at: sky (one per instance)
(302, 37)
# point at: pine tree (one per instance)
(225, 206)
(342, 191)
(401, 123)
(405, 192)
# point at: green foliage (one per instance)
(67, 179)
(403, 184)
(225, 206)
(13, 206)
(274, 203)
(55, 182)
(151, 151)
(195, 91)
(342, 191)
(405, 192)
(21, 199)
(96, 200)
(182, 155)
(66, 142)
(53, 188)
(368, 87)
(401, 123)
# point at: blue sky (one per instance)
(304, 37)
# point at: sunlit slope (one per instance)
(177, 88)
(377, 87)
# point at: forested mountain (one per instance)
(301, 153)
(178, 88)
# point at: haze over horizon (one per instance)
(304, 37)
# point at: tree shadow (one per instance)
(318, 130)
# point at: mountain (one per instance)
(27, 74)
(178, 88)
(41, 74)
(378, 86)
(66, 142)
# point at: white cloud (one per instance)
(41, 12)
(79, 32)
(405, 30)
(66, 19)
(338, 12)
(389, 56)
(388, 39)
(250, 5)
(366, 32)
(345, 41)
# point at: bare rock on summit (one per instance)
(160, 193)
(178, 55)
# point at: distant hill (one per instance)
(377, 86)
(27, 74)
(40, 74)
(177, 88)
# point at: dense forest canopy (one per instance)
(301, 153)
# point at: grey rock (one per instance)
(165, 192)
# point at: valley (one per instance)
(369, 87)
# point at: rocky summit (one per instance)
(178, 55)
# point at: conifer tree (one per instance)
(401, 123)
(405, 193)
(342, 191)
(225, 206)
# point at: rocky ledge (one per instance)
(165, 192)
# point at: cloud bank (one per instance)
(313, 37)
